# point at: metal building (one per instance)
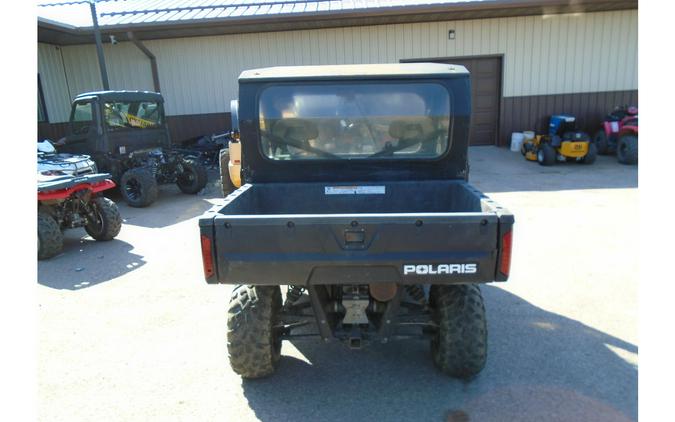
(528, 58)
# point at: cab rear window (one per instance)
(354, 121)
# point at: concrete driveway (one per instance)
(129, 330)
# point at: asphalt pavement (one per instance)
(128, 329)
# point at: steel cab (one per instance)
(116, 123)
(354, 123)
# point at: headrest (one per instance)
(411, 128)
(295, 129)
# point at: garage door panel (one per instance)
(483, 102)
(485, 97)
(483, 118)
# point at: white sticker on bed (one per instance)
(354, 190)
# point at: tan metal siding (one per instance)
(543, 55)
(54, 84)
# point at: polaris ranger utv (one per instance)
(355, 198)
(126, 134)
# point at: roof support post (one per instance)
(148, 53)
(99, 46)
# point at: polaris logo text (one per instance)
(440, 269)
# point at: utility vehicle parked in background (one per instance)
(126, 134)
(67, 202)
(619, 133)
(69, 188)
(230, 157)
(355, 197)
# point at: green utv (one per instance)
(355, 199)
(126, 134)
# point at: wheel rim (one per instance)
(96, 225)
(187, 178)
(540, 155)
(133, 189)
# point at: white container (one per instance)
(528, 134)
(516, 141)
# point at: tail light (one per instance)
(207, 257)
(505, 255)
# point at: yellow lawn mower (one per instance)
(562, 143)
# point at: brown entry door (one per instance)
(485, 93)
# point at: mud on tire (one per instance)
(109, 220)
(253, 346)
(50, 238)
(459, 349)
(193, 178)
(139, 187)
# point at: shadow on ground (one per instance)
(172, 207)
(541, 366)
(500, 170)
(85, 262)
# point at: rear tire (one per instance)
(591, 155)
(109, 219)
(253, 346)
(193, 178)
(225, 181)
(459, 349)
(139, 187)
(627, 149)
(50, 238)
(546, 155)
(600, 140)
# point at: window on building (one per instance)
(42, 109)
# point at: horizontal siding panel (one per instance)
(542, 55)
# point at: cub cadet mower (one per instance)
(562, 143)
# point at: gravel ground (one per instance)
(128, 330)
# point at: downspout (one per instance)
(99, 46)
(148, 53)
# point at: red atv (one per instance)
(619, 134)
(66, 201)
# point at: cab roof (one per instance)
(123, 96)
(355, 71)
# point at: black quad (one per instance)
(126, 134)
(355, 221)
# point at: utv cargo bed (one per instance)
(314, 233)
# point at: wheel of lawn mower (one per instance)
(600, 140)
(50, 238)
(591, 155)
(108, 219)
(253, 345)
(627, 149)
(459, 348)
(225, 179)
(193, 178)
(546, 155)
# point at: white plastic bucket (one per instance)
(528, 134)
(516, 141)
